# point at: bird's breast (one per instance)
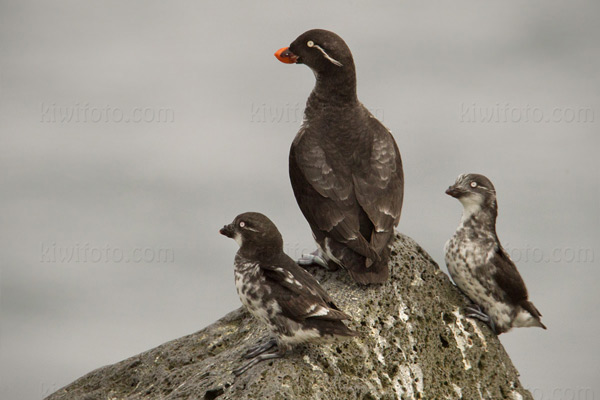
(473, 246)
(249, 284)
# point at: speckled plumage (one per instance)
(278, 292)
(479, 265)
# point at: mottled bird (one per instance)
(480, 266)
(345, 166)
(278, 292)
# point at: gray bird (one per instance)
(278, 292)
(345, 166)
(479, 265)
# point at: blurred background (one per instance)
(132, 131)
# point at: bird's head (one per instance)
(323, 51)
(475, 192)
(254, 230)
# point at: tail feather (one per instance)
(535, 313)
(361, 269)
(377, 273)
(329, 327)
(333, 315)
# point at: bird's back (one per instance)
(346, 173)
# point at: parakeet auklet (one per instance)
(480, 266)
(278, 292)
(345, 166)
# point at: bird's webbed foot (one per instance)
(475, 311)
(315, 257)
(261, 348)
(262, 355)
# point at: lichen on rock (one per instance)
(414, 343)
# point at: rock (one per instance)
(414, 343)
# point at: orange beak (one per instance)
(286, 56)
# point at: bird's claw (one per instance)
(474, 311)
(260, 348)
(313, 258)
(261, 357)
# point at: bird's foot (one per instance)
(277, 353)
(474, 311)
(261, 348)
(313, 258)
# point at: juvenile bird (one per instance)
(480, 266)
(344, 165)
(278, 292)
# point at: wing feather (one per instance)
(325, 195)
(507, 277)
(298, 293)
(379, 188)
(333, 193)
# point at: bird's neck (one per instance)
(264, 253)
(334, 89)
(475, 217)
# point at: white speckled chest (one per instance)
(464, 253)
(469, 254)
(251, 288)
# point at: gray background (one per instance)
(423, 68)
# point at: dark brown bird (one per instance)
(345, 166)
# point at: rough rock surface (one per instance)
(414, 343)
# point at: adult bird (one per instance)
(345, 167)
(480, 266)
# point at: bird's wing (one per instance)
(298, 293)
(379, 186)
(507, 277)
(326, 196)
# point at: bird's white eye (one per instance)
(242, 224)
(310, 43)
(473, 184)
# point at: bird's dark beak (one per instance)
(227, 230)
(286, 56)
(454, 191)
